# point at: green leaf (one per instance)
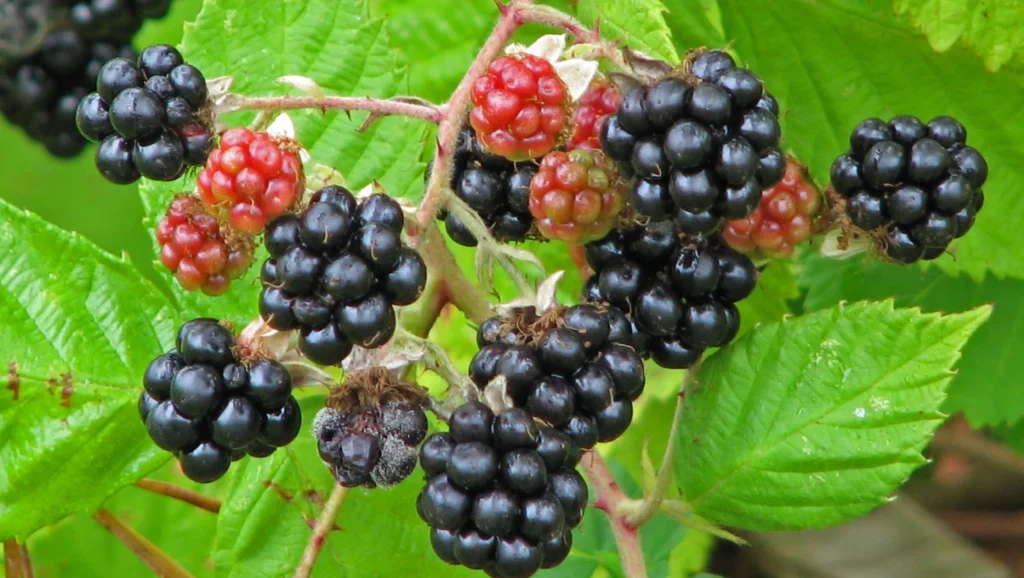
(817, 419)
(639, 23)
(79, 330)
(992, 28)
(698, 25)
(346, 52)
(822, 60)
(985, 389)
(264, 523)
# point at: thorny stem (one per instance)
(639, 512)
(324, 525)
(161, 564)
(179, 493)
(457, 110)
(17, 563)
(609, 498)
(551, 16)
(452, 281)
(375, 106)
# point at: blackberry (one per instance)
(495, 187)
(567, 367)
(506, 509)
(201, 403)
(702, 147)
(369, 431)
(679, 291)
(152, 106)
(917, 185)
(336, 271)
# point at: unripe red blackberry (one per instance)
(576, 197)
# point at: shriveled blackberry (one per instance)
(914, 186)
(506, 505)
(680, 291)
(370, 428)
(201, 402)
(338, 270)
(702, 145)
(572, 368)
(493, 186)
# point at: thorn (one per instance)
(13, 381)
(281, 491)
(502, 8)
(66, 390)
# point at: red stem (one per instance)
(458, 109)
(17, 563)
(161, 564)
(179, 493)
(609, 496)
(324, 526)
(373, 105)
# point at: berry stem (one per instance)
(457, 109)
(179, 493)
(555, 18)
(639, 512)
(162, 564)
(451, 284)
(375, 106)
(609, 497)
(324, 525)
(17, 563)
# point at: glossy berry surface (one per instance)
(194, 249)
(200, 402)
(575, 197)
(918, 185)
(250, 179)
(600, 101)
(789, 214)
(519, 107)
(336, 271)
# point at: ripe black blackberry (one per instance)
(702, 146)
(370, 429)
(502, 493)
(493, 186)
(680, 292)
(335, 272)
(209, 407)
(43, 81)
(146, 115)
(573, 368)
(916, 186)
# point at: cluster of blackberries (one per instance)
(920, 183)
(41, 89)
(494, 187)
(702, 146)
(574, 369)
(336, 270)
(209, 408)
(680, 292)
(145, 117)
(374, 447)
(503, 494)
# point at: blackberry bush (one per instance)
(496, 188)
(680, 292)
(702, 145)
(572, 368)
(502, 493)
(335, 272)
(371, 428)
(146, 117)
(209, 407)
(915, 187)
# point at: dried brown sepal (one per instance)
(368, 389)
